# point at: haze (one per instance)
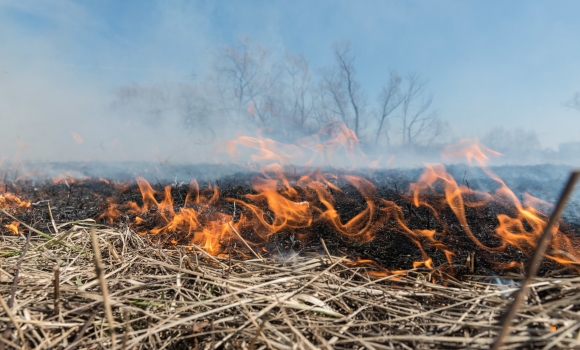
(80, 80)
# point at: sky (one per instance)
(488, 63)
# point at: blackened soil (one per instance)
(389, 247)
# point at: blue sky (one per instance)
(488, 63)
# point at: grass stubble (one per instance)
(88, 286)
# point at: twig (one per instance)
(212, 336)
(69, 192)
(14, 323)
(257, 335)
(208, 255)
(51, 218)
(246, 243)
(326, 250)
(82, 331)
(17, 272)
(103, 283)
(13, 289)
(536, 259)
(42, 233)
(127, 327)
(56, 308)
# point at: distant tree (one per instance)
(517, 142)
(420, 126)
(333, 97)
(252, 87)
(183, 103)
(153, 103)
(389, 99)
(345, 59)
(248, 74)
(241, 71)
(299, 107)
(195, 108)
(340, 84)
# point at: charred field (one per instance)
(369, 275)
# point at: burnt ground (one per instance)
(81, 199)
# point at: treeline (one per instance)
(250, 87)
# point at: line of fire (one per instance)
(282, 210)
(283, 238)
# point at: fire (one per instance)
(9, 200)
(427, 263)
(284, 204)
(13, 227)
(520, 230)
(276, 207)
(471, 150)
(196, 221)
(268, 150)
(111, 213)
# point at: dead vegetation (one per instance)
(172, 297)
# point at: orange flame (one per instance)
(9, 200)
(520, 230)
(278, 205)
(13, 227)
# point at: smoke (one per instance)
(110, 82)
(61, 69)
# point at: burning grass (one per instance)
(170, 297)
(317, 260)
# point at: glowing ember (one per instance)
(13, 227)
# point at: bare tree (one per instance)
(345, 60)
(333, 97)
(285, 101)
(241, 70)
(152, 104)
(341, 93)
(300, 96)
(420, 126)
(389, 99)
(248, 74)
(195, 108)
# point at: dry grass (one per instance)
(163, 297)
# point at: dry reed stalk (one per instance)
(245, 243)
(56, 307)
(80, 334)
(12, 295)
(266, 302)
(52, 218)
(15, 324)
(536, 259)
(103, 284)
(326, 250)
